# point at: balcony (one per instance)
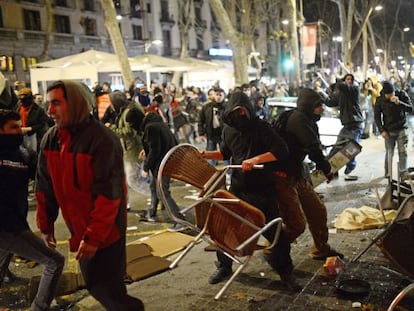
(167, 19)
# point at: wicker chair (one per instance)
(222, 219)
(235, 227)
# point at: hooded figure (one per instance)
(242, 139)
(81, 173)
(302, 136)
(157, 141)
(247, 140)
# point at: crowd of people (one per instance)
(86, 147)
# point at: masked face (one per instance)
(12, 134)
(26, 100)
(239, 119)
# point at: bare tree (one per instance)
(185, 21)
(236, 38)
(112, 26)
(346, 18)
(49, 29)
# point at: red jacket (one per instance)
(82, 172)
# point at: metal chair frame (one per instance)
(215, 203)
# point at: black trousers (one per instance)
(104, 278)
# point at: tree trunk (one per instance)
(294, 42)
(184, 22)
(111, 25)
(236, 41)
(49, 29)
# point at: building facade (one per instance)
(31, 29)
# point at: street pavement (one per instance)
(258, 287)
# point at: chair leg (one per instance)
(186, 250)
(400, 296)
(235, 274)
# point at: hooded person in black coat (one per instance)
(157, 141)
(295, 194)
(248, 141)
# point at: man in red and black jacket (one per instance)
(81, 170)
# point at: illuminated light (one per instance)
(393, 63)
(380, 51)
(157, 42)
(285, 22)
(406, 29)
(378, 8)
(288, 64)
(119, 17)
(220, 52)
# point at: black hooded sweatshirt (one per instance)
(255, 138)
(302, 136)
(17, 165)
(157, 141)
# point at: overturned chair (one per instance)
(230, 224)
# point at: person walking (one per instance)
(17, 166)
(81, 172)
(346, 98)
(35, 121)
(297, 198)
(157, 141)
(210, 124)
(390, 116)
(248, 141)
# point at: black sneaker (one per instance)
(220, 275)
(288, 280)
(331, 253)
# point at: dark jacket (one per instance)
(257, 139)
(81, 170)
(302, 136)
(205, 123)
(157, 141)
(346, 98)
(391, 117)
(38, 120)
(17, 165)
(8, 98)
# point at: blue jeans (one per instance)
(29, 245)
(348, 133)
(401, 138)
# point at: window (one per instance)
(135, 8)
(6, 63)
(62, 3)
(88, 5)
(89, 26)
(166, 39)
(200, 43)
(1, 17)
(62, 24)
(31, 20)
(165, 14)
(137, 32)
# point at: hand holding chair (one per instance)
(232, 225)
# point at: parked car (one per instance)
(329, 124)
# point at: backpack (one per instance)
(279, 122)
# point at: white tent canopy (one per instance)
(86, 67)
